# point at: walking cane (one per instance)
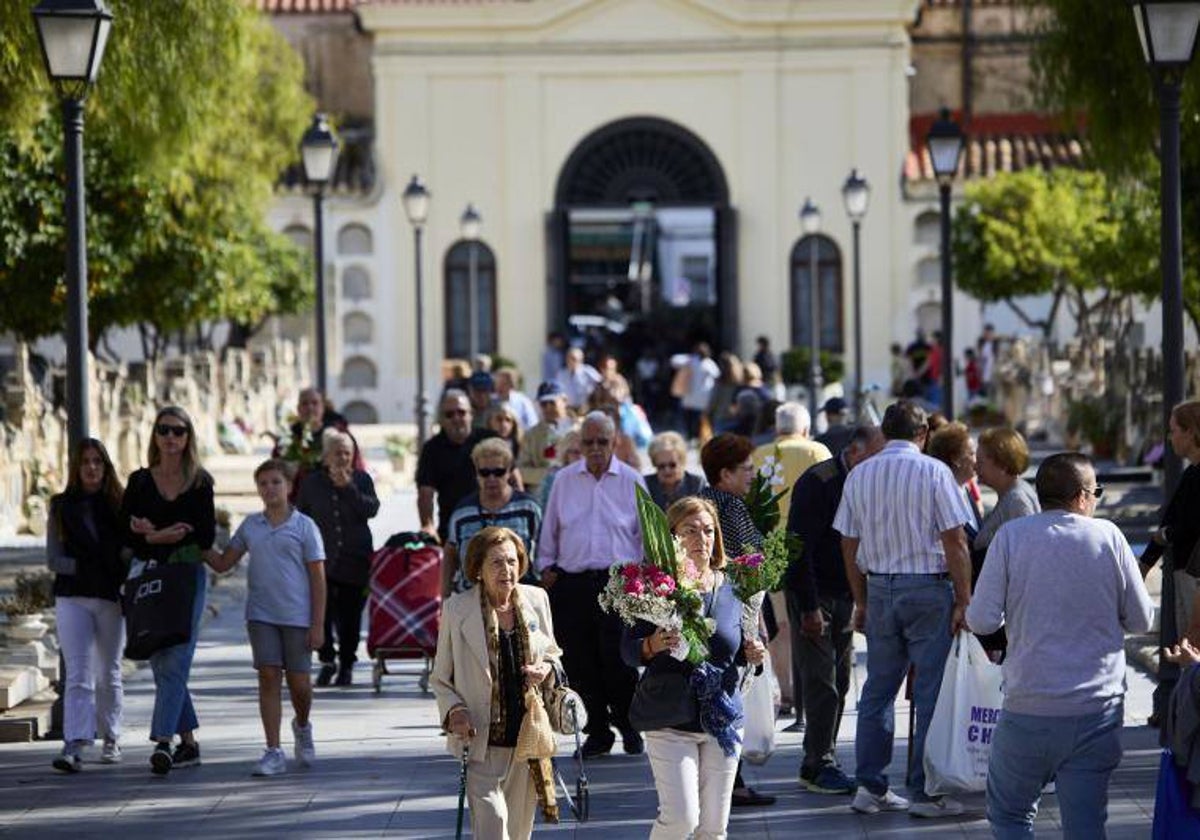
(462, 790)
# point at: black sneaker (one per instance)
(325, 675)
(345, 676)
(186, 755)
(632, 743)
(595, 746)
(160, 760)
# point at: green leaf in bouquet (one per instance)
(657, 541)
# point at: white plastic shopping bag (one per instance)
(959, 741)
(760, 704)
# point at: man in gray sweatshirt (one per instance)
(1067, 587)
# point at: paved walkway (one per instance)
(383, 771)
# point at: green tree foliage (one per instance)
(1066, 233)
(197, 109)
(1088, 66)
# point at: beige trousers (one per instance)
(501, 796)
(694, 780)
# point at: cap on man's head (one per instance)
(834, 405)
(481, 381)
(549, 391)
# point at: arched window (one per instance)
(458, 320)
(354, 240)
(929, 229)
(829, 270)
(356, 283)
(359, 372)
(358, 328)
(359, 412)
(300, 235)
(929, 272)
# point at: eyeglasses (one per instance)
(166, 429)
(1095, 492)
(457, 412)
(492, 472)
(594, 442)
(666, 465)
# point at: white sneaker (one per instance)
(272, 763)
(866, 802)
(110, 753)
(303, 748)
(70, 759)
(942, 806)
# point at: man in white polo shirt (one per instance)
(901, 519)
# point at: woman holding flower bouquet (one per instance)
(695, 759)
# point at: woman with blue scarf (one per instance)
(691, 715)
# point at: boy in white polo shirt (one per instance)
(285, 608)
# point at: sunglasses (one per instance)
(167, 429)
(492, 472)
(666, 465)
(458, 412)
(1096, 491)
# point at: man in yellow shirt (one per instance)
(787, 457)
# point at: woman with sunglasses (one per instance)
(670, 481)
(83, 546)
(166, 507)
(496, 504)
(1180, 527)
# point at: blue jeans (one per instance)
(908, 621)
(173, 709)
(1079, 753)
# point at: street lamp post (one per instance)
(318, 150)
(416, 207)
(1167, 30)
(470, 225)
(945, 142)
(73, 35)
(856, 194)
(810, 223)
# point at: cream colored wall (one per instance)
(487, 103)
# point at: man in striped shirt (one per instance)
(901, 519)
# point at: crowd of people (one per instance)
(533, 500)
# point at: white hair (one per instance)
(792, 418)
(332, 438)
(599, 418)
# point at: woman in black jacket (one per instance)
(341, 500)
(168, 507)
(83, 545)
(1180, 526)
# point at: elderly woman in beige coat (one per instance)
(495, 638)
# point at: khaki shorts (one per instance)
(277, 646)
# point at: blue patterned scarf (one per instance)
(717, 712)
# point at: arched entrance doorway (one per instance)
(641, 242)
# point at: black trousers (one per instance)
(343, 614)
(825, 665)
(591, 643)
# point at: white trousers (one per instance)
(694, 779)
(91, 633)
(501, 796)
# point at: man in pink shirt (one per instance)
(590, 523)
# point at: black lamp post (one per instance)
(73, 34)
(946, 141)
(470, 225)
(1167, 30)
(810, 223)
(856, 194)
(318, 149)
(416, 207)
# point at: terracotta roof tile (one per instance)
(1000, 143)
